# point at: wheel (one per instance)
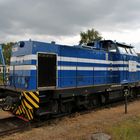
(55, 107)
(92, 102)
(104, 98)
(89, 104)
(66, 107)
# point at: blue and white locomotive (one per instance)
(47, 78)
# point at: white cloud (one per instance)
(62, 20)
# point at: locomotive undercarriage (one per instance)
(61, 103)
(31, 105)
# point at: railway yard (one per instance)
(61, 79)
(111, 120)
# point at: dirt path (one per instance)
(4, 114)
(80, 126)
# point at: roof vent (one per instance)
(52, 42)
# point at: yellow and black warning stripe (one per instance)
(29, 101)
(27, 113)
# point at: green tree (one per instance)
(7, 48)
(89, 36)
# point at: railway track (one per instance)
(13, 124)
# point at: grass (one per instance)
(126, 130)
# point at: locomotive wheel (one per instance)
(55, 107)
(66, 107)
(93, 101)
(96, 101)
(104, 98)
(89, 105)
(133, 93)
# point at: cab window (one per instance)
(122, 50)
(108, 46)
(133, 51)
(112, 48)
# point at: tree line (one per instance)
(7, 48)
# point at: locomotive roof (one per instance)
(124, 45)
(86, 46)
(118, 43)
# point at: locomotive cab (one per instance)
(123, 61)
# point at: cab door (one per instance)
(110, 67)
(112, 51)
(46, 70)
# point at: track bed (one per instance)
(11, 125)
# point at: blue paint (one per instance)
(27, 79)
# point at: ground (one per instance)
(4, 114)
(112, 121)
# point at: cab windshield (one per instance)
(126, 50)
(122, 50)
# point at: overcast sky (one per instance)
(62, 20)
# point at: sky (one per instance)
(63, 20)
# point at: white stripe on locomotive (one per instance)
(70, 59)
(73, 59)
